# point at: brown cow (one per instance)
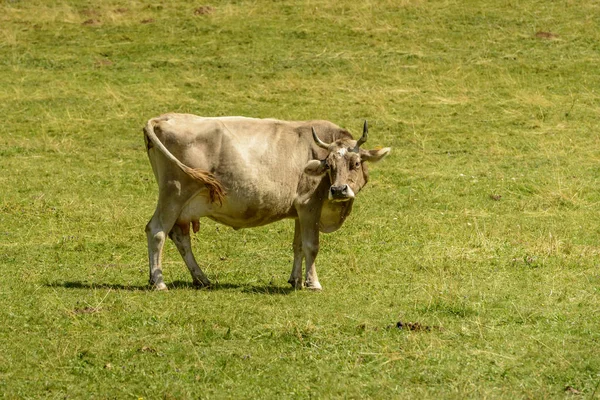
(246, 172)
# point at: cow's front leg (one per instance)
(310, 247)
(296, 276)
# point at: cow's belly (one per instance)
(237, 211)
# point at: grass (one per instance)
(482, 225)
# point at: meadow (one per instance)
(468, 268)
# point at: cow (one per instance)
(247, 172)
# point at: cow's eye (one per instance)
(356, 165)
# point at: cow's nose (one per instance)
(340, 192)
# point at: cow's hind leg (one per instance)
(156, 232)
(180, 234)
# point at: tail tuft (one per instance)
(215, 189)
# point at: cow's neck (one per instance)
(333, 215)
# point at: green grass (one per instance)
(482, 224)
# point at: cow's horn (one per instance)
(363, 138)
(318, 141)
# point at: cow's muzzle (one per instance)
(341, 193)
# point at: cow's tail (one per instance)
(215, 189)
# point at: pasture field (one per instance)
(479, 233)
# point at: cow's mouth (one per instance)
(341, 199)
(341, 193)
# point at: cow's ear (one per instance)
(315, 168)
(374, 155)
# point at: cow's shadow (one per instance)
(175, 285)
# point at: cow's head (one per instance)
(345, 165)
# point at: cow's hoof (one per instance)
(313, 286)
(296, 283)
(201, 285)
(160, 286)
